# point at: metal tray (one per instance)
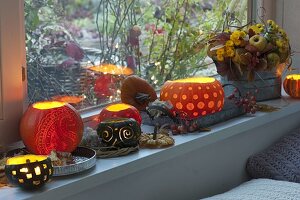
(85, 158)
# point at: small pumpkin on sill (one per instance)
(137, 92)
(291, 85)
(120, 110)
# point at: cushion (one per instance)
(281, 161)
(262, 189)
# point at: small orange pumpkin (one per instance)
(51, 125)
(194, 97)
(291, 85)
(120, 110)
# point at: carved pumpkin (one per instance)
(51, 125)
(120, 110)
(29, 171)
(194, 97)
(291, 85)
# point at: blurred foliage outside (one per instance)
(158, 39)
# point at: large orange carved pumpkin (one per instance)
(120, 110)
(51, 125)
(291, 85)
(194, 97)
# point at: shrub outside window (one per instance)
(80, 51)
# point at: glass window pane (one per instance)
(85, 48)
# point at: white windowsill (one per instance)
(107, 170)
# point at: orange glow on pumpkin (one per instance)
(48, 105)
(291, 85)
(120, 110)
(22, 159)
(51, 125)
(118, 107)
(112, 69)
(68, 99)
(194, 97)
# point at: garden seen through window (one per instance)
(80, 51)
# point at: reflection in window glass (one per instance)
(80, 51)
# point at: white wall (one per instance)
(288, 16)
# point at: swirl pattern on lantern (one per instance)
(126, 133)
(107, 134)
(120, 132)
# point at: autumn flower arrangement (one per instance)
(247, 50)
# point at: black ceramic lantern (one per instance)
(29, 171)
(119, 132)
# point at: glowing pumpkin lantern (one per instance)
(111, 69)
(120, 110)
(28, 171)
(291, 85)
(105, 84)
(51, 125)
(119, 132)
(194, 97)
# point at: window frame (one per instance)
(12, 65)
(15, 13)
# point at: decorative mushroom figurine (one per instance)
(137, 92)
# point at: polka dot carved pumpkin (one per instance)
(194, 97)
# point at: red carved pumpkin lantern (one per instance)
(194, 97)
(51, 125)
(291, 85)
(120, 110)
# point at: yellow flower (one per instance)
(242, 34)
(279, 43)
(235, 35)
(229, 43)
(230, 52)
(237, 42)
(220, 57)
(259, 26)
(220, 51)
(271, 22)
(282, 33)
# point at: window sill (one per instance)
(108, 171)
